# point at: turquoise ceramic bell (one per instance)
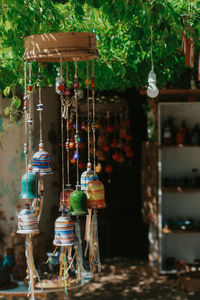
(29, 185)
(87, 176)
(78, 202)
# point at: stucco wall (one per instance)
(12, 166)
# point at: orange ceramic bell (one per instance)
(95, 194)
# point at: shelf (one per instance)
(173, 91)
(180, 146)
(179, 189)
(178, 231)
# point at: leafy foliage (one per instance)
(125, 31)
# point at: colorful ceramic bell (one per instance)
(96, 194)
(78, 202)
(27, 221)
(29, 185)
(64, 232)
(64, 198)
(86, 176)
(42, 162)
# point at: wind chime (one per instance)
(56, 47)
(95, 192)
(27, 218)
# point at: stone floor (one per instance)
(124, 279)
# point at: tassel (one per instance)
(62, 259)
(87, 230)
(96, 242)
(41, 192)
(79, 252)
(199, 68)
(32, 272)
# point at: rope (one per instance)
(67, 120)
(88, 111)
(30, 117)
(93, 115)
(77, 133)
(40, 102)
(62, 133)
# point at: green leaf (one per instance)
(7, 91)
(16, 101)
(7, 111)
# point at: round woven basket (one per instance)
(70, 46)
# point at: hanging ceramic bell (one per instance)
(29, 185)
(27, 221)
(78, 202)
(64, 198)
(86, 176)
(42, 162)
(64, 232)
(96, 194)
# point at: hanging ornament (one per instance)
(29, 185)
(96, 194)
(27, 221)
(86, 176)
(152, 90)
(64, 238)
(64, 197)
(59, 87)
(64, 232)
(78, 202)
(42, 162)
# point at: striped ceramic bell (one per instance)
(78, 202)
(64, 198)
(86, 176)
(95, 194)
(29, 185)
(42, 162)
(64, 232)
(27, 221)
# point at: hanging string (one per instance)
(67, 120)
(25, 116)
(62, 132)
(93, 116)
(76, 85)
(88, 109)
(40, 102)
(30, 121)
(152, 64)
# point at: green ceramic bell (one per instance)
(29, 185)
(78, 202)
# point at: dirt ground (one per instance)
(125, 279)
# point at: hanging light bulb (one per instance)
(152, 90)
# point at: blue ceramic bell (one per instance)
(42, 162)
(29, 185)
(87, 176)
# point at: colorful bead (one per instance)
(25, 148)
(25, 104)
(67, 92)
(40, 107)
(30, 88)
(61, 87)
(87, 81)
(76, 85)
